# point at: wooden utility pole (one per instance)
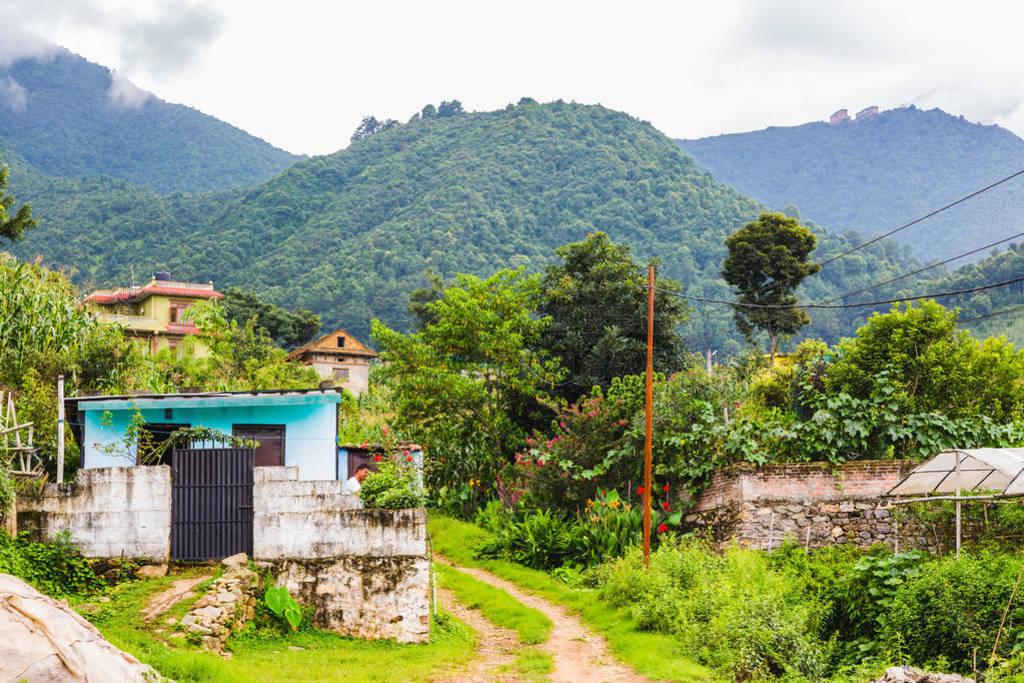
(649, 427)
(60, 428)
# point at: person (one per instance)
(355, 482)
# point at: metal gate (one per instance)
(211, 502)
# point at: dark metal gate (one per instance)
(211, 502)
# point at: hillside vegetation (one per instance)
(63, 115)
(878, 173)
(349, 235)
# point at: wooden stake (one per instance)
(60, 428)
(649, 425)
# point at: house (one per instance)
(867, 113)
(839, 116)
(153, 312)
(296, 428)
(338, 357)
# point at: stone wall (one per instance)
(110, 512)
(812, 504)
(365, 572)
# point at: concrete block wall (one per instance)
(810, 503)
(365, 572)
(110, 512)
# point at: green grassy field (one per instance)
(263, 656)
(654, 655)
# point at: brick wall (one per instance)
(809, 503)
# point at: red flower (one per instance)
(666, 488)
(662, 528)
(405, 452)
(639, 490)
(666, 506)
(384, 428)
(376, 458)
(622, 423)
(442, 459)
(408, 458)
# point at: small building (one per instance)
(839, 117)
(867, 113)
(338, 357)
(295, 428)
(153, 312)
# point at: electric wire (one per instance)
(1014, 309)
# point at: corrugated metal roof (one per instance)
(979, 470)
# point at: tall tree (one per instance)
(767, 261)
(597, 301)
(288, 329)
(12, 225)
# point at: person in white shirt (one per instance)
(355, 482)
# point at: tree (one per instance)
(367, 127)
(466, 369)
(13, 226)
(597, 301)
(768, 259)
(288, 329)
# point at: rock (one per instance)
(152, 571)
(210, 643)
(103, 598)
(235, 560)
(903, 674)
(179, 634)
(250, 613)
(209, 612)
(170, 621)
(42, 639)
(199, 628)
(837, 532)
(882, 514)
(204, 601)
(88, 609)
(296, 648)
(189, 619)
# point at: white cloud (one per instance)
(13, 94)
(124, 93)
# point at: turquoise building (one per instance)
(293, 427)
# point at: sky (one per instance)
(301, 74)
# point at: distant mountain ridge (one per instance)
(349, 235)
(876, 173)
(72, 118)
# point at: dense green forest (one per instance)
(350, 234)
(875, 174)
(63, 115)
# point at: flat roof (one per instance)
(207, 399)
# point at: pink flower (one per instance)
(384, 429)
(622, 423)
(590, 414)
(405, 452)
(562, 425)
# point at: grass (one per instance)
(533, 664)
(261, 656)
(496, 605)
(655, 655)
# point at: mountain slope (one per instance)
(875, 174)
(349, 235)
(72, 118)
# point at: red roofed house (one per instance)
(339, 357)
(153, 311)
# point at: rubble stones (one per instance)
(228, 604)
(904, 674)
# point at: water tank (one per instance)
(162, 275)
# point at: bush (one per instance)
(952, 609)
(56, 568)
(541, 540)
(392, 486)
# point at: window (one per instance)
(340, 373)
(177, 308)
(341, 342)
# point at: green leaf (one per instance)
(277, 599)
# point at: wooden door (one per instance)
(270, 452)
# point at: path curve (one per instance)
(495, 646)
(166, 599)
(578, 653)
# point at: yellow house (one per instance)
(152, 312)
(340, 358)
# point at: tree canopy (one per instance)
(288, 329)
(13, 223)
(596, 299)
(767, 261)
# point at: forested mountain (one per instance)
(876, 173)
(349, 235)
(72, 118)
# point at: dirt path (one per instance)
(578, 653)
(495, 646)
(164, 600)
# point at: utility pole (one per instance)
(649, 427)
(60, 428)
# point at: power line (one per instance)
(991, 315)
(902, 227)
(921, 270)
(862, 304)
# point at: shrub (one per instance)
(541, 540)
(951, 609)
(392, 486)
(56, 568)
